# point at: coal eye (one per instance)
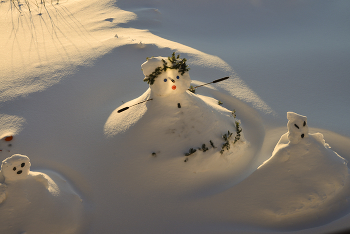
(304, 124)
(165, 80)
(296, 126)
(14, 168)
(23, 164)
(178, 77)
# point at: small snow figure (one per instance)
(16, 167)
(36, 202)
(166, 76)
(297, 127)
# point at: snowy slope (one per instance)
(68, 67)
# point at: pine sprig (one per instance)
(192, 89)
(238, 132)
(203, 148)
(191, 151)
(150, 78)
(226, 146)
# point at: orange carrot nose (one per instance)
(8, 138)
(173, 87)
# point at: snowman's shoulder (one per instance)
(120, 121)
(40, 177)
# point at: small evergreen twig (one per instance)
(204, 148)
(192, 89)
(191, 151)
(238, 132)
(212, 144)
(219, 102)
(234, 113)
(227, 136)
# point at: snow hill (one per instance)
(68, 67)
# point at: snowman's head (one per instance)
(297, 127)
(166, 76)
(16, 167)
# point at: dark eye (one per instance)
(304, 124)
(165, 80)
(296, 126)
(178, 77)
(14, 168)
(23, 164)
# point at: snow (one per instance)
(36, 202)
(297, 127)
(67, 67)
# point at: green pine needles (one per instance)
(178, 64)
(238, 132)
(175, 63)
(203, 148)
(192, 89)
(212, 144)
(227, 145)
(191, 151)
(150, 78)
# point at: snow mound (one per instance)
(303, 184)
(304, 174)
(36, 202)
(309, 173)
(170, 118)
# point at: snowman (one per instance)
(17, 168)
(170, 118)
(166, 76)
(36, 202)
(304, 174)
